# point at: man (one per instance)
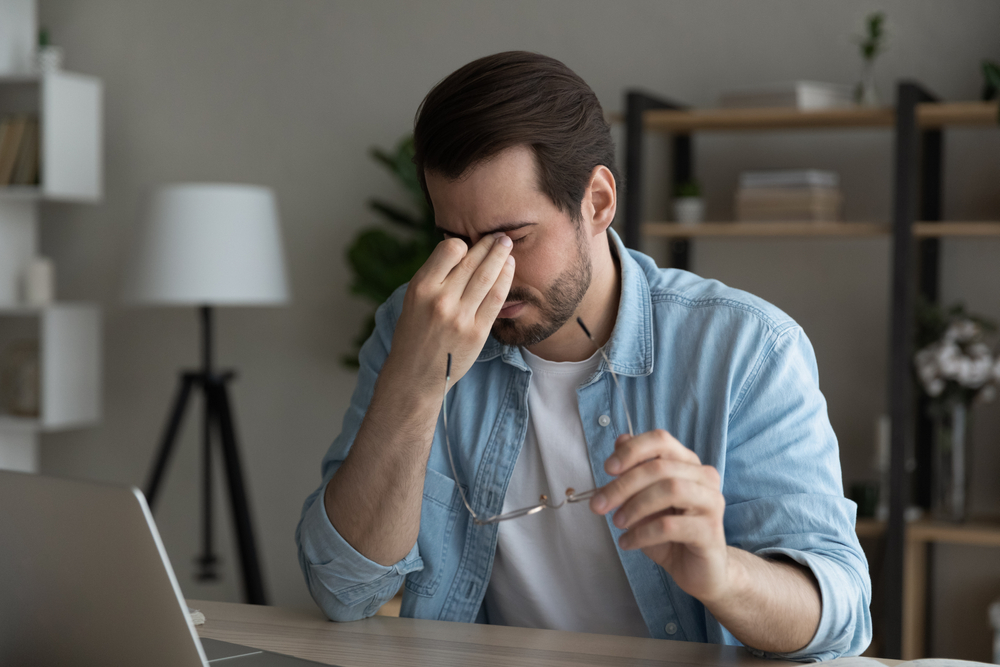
(721, 519)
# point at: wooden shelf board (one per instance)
(667, 120)
(869, 528)
(816, 229)
(938, 229)
(929, 115)
(765, 229)
(945, 114)
(976, 532)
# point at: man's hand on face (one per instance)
(450, 306)
(671, 507)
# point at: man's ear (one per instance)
(600, 200)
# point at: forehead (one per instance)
(496, 191)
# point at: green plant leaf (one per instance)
(381, 261)
(872, 43)
(394, 214)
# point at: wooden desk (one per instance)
(403, 641)
(920, 535)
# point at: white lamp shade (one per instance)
(208, 244)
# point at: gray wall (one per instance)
(292, 94)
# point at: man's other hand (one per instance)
(671, 507)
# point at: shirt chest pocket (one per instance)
(440, 509)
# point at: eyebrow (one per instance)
(506, 227)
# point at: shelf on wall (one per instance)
(69, 111)
(815, 229)
(12, 424)
(977, 531)
(929, 115)
(69, 343)
(20, 192)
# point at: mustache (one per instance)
(522, 294)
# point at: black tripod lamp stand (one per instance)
(210, 245)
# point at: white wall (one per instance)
(292, 94)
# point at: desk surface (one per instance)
(385, 640)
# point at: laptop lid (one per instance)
(85, 580)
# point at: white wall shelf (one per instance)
(69, 337)
(69, 109)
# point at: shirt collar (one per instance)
(630, 348)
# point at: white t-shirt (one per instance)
(558, 569)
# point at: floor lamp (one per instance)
(208, 245)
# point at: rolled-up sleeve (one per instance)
(345, 584)
(784, 493)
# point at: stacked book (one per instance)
(19, 150)
(805, 95)
(795, 195)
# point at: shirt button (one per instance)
(670, 628)
(604, 420)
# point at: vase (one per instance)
(950, 474)
(865, 92)
(689, 210)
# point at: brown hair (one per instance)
(510, 99)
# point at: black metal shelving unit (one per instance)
(917, 189)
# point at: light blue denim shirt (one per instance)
(730, 376)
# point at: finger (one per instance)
(622, 439)
(488, 310)
(690, 529)
(618, 491)
(485, 275)
(645, 446)
(685, 495)
(445, 257)
(459, 278)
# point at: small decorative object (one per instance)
(790, 195)
(20, 379)
(689, 207)
(804, 95)
(872, 43)
(956, 366)
(39, 282)
(991, 83)
(382, 261)
(49, 57)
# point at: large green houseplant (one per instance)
(381, 258)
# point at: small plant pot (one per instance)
(689, 210)
(49, 59)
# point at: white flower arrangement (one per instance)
(960, 365)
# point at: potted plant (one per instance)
(956, 365)
(689, 207)
(872, 43)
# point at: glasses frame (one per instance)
(544, 502)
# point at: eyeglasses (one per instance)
(544, 502)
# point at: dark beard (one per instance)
(561, 301)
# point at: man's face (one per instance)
(553, 265)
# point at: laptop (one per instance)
(85, 580)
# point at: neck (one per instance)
(598, 309)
